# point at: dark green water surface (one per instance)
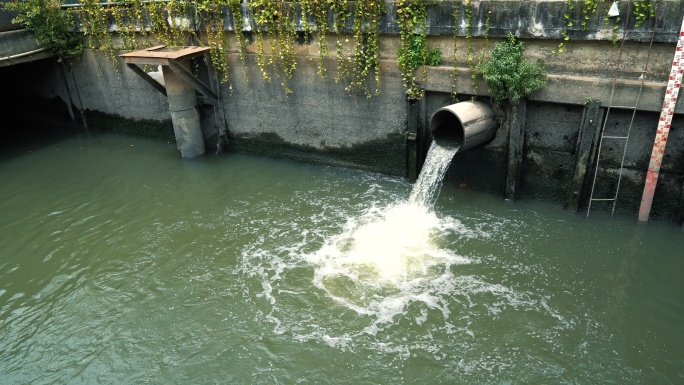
(120, 263)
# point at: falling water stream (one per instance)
(121, 263)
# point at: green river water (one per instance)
(120, 263)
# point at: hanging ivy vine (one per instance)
(469, 40)
(341, 15)
(454, 73)
(642, 11)
(366, 55)
(318, 11)
(159, 27)
(570, 9)
(95, 23)
(275, 27)
(613, 23)
(411, 16)
(124, 25)
(211, 23)
(178, 21)
(472, 59)
(588, 10)
(239, 23)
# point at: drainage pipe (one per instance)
(464, 124)
(184, 113)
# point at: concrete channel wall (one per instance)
(320, 122)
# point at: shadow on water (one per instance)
(30, 124)
(30, 121)
(21, 137)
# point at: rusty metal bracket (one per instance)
(160, 55)
(192, 79)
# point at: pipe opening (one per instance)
(446, 129)
(464, 124)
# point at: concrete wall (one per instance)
(320, 122)
(6, 18)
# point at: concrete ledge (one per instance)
(563, 89)
(539, 19)
(6, 18)
(19, 47)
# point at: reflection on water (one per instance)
(121, 263)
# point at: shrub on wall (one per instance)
(509, 75)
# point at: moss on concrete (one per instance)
(154, 129)
(388, 155)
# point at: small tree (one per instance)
(508, 75)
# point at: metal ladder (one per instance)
(625, 136)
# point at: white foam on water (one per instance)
(387, 273)
(386, 248)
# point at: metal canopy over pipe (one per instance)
(464, 124)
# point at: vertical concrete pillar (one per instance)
(589, 131)
(517, 114)
(184, 113)
(680, 212)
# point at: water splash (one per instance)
(391, 249)
(429, 183)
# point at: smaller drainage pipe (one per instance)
(464, 124)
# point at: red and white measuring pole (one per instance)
(673, 85)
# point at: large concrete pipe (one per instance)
(464, 124)
(184, 113)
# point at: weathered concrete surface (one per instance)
(545, 20)
(526, 19)
(6, 18)
(114, 89)
(551, 134)
(588, 138)
(517, 115)
(20, 46)
(319, 118)
(565, 89)
(320, 122)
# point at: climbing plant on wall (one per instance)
(239, 23)
(124, 26)
(275, 39)
(366, 55)
(318, 11)
(643, 9)
(464, 16)
(94, 20)
(341, 15)
(274, 23)
(211, 24)
(413, 51)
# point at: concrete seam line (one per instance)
(10, 57)
(183, 109)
